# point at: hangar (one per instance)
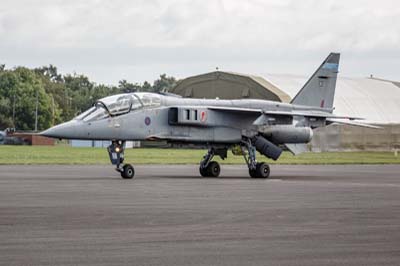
(376, 100)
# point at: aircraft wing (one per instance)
(305, 113)
(330, 118)
(234, 109)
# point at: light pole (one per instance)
(36, 110)
(52, 110)
(13, 111)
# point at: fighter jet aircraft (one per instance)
(243, 126)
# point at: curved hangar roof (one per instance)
(376, 100)
(229, 85)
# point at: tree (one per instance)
(101, 91)
(78, 93)
(5, 117)
(20, 88)
(54, 86)
(126, 87)
(50, 72)
(146, 87)
(164, 83)
(60, 97)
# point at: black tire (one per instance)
(128, 172)
(263, 170)
(203, 172)
(253, 173)
(213, 169)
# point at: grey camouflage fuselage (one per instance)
(218, 125)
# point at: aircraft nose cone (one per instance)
(63, 131)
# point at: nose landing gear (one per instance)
(116, 153)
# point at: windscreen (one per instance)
(99, 113)
(88, 111)
(94, 113)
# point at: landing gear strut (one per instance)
(256, 170)
(210, 168)
(116, 153)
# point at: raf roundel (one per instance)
(147, 121)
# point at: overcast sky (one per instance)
(139, 39)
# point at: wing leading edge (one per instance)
(330, 118)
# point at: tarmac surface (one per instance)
(168, 215)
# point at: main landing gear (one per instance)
(256, 170)
(210, 168)
(116, 153)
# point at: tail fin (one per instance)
(319, 90)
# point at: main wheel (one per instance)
(253, 173)
(203, 172)
(128, 172)
(262, 170)
(213, 169)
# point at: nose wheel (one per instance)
(128, 172)
(116, 153)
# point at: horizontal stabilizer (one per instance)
(351, 123)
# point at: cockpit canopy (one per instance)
(120, 104)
